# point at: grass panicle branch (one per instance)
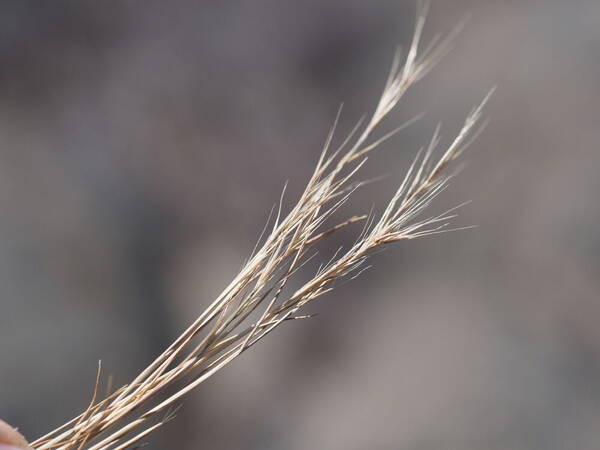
(259, 298)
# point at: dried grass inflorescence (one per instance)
(257, 301)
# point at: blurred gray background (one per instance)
(142, 145)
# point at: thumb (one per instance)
(11, 439)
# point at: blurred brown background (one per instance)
(142, 145)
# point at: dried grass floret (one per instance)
(257, 301)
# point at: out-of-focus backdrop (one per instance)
(142, 145)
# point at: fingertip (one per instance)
(10, 447)
(11, 439)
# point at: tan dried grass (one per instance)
(256, 301)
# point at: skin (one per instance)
(11, 439)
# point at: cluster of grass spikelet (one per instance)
(259, 299)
